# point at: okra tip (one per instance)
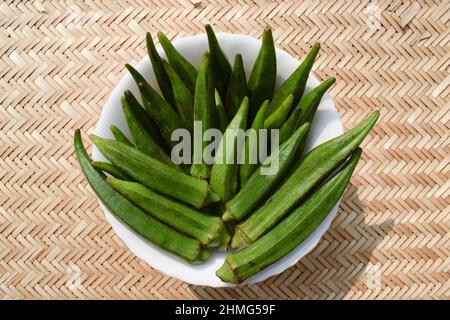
(227, 216)
(238, 241)
(211, 197)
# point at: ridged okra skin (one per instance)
(181, 217)
(251, 149)
(120, 136)
(205, 112)
(291, 231)
(156, 175)
(261, 82)
(143, 224)
(306, 175)
(262, 182)
(237, 87)
(181, 65)
(296, 82)
(224, 178)
(159, 71)
(220, 66)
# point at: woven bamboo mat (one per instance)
(60, 61)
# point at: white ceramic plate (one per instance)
(326, 125)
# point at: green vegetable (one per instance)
(109, 168)
(310, 171)
(276, 119)
(183, 68)
(223, 119)
(237, 87)
(145, 120)
(251, 150)
(263, 181)
(158, 69)
(224, 178)
(183, 98)
(290, 232)
(289, 126)
(296, 82)
(143, 140)
(220, 66)
(264, 74)
(158, 109)
(156, 175)
(310, 102)
(143, 224)
(181, 217)
(119, 135)
(204, 111)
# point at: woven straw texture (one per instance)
(60, 61)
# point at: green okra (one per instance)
(158, 69)
(296, 82)
(119, 135)
(291, 231)
(205, 114)
(109, 168)
(143, 140)
(310, 102)
(251, 150)
(224, 179)
(220, 66)
(222, 116)
(183, 218)
(288, 128)
(143, 224)
(263, 76)
(263, 181)
(183, 98)
(156, 175)
(276, 119)
(237, 87)
(180, 64)
(145, 120)
(307, 174)
(159, 110)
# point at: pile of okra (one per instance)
(191, 209)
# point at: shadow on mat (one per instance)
(341, 261)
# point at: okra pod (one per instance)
(291, 231)
(183, 67)
(263, 181)
(159, 110)
(158, 69)
(224, 178)
(205, 113)
(142, 223)
(220, 66)
(223, 118)
(237, 87)
(310, 102)
(156, 175)
(308, 173)
(109, 168)
(183, 218)
(263, 76)
(288, 128)
(183, 98)
(143, 140)
(276, 119)
(119, 135)
(145, 120)
(251, 150)
(296, 82)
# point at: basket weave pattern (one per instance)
(60, 61)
